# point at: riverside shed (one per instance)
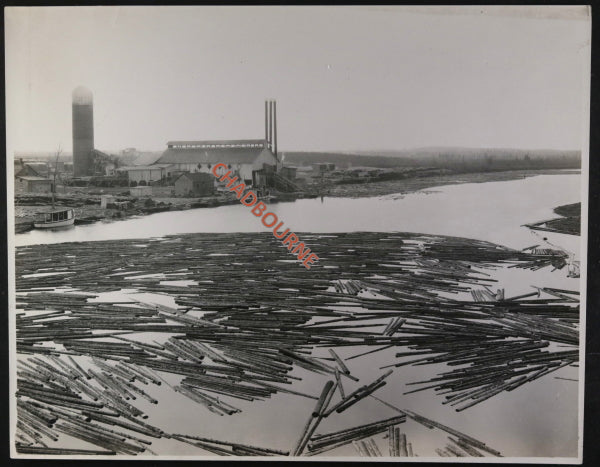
(33, 184)
(195, 184)
(147, 173)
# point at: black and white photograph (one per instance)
(297, 232)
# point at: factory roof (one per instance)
(145, 167)
(38, 167)
(194, 176)
(33, 178)
(146, 158)
(226, 155)
(228, 143)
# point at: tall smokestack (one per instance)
(267, 123)
(271, 125)
(275, 128)
(83, 132)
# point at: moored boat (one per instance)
(55, 218)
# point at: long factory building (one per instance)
(244, 157)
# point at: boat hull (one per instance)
(55, 224)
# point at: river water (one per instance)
(539, 419)
(492, 211)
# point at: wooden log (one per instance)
(339, 361)
(306, 432)
(402, 449)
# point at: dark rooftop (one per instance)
(226, 155)
(195, 176)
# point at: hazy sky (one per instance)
(345, 78)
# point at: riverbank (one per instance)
(569, 223)
(86, 203)
(410, 185)
(87, 207)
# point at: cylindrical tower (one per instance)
(83, 132)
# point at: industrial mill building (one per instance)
(240, 156)
(245, 158)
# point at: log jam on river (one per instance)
(109, 332)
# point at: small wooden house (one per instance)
(33, 184)
(195, 184)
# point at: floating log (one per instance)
(315, 413)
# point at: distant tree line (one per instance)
(464, 160)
